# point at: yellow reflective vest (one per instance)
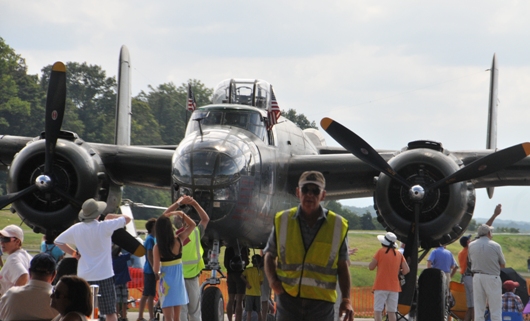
(310, 274)
(192, 262)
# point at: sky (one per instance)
(391, 71)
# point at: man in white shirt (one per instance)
(93, 241)
(31, 301)
(15, 270)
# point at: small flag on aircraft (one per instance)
(274, 111)
(192, 105)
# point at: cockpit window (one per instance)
(251, 92)
(251, 121)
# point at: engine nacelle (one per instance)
(77, 171)
(445, 212)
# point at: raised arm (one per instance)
(189, 224)
(188, 200)
(112, 216)
(496, 212)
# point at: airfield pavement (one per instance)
(132, 316)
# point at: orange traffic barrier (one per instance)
(361, 297)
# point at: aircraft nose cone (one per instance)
(219, 159)
(216, 171)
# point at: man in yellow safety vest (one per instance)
(306, 254)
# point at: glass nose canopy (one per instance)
(218, 160)
(206, 168)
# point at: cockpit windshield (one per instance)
(245, 119)
(252, 92)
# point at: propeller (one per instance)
(55, 105)
(360, 148)
(486, 165)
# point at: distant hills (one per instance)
(524, 227)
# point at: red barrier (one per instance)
(362, 297)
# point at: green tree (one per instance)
(354, 221)
(94, 94)
(144, 127)
(366, 221)
(299, 119)
(472, 225)
(21, 99)
(168, 104)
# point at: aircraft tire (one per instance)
(212, 305)
(431, 296)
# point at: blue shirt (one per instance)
(149, 244)
(442, 259)
(121, 269)
(51, 249)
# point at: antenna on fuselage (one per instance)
(198, 119)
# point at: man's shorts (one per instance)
(149, 285)
(252, 303)
(236, 285)
(107, 296)
(388, 298)
(122, 293)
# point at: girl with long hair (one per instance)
(167, 257)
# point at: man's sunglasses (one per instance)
(5, 239)
(306, 190)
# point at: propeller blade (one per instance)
(74, 202)
(486, 165)
(408, 290)
(360, 148)
(128, 242)
(10, 198)
(55, 105)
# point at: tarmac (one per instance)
(132, 316)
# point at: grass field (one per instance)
(516, 248)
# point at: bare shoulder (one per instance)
(73, 316)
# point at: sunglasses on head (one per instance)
(6, 239)
(313, 190)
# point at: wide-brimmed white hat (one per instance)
(91, 210)
(389, 239)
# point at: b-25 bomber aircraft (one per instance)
(242, 166)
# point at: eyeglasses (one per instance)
(306, 190)
(5, 239)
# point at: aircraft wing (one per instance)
(126, 165)
(346, 175)
(349, 177)
(137, 166)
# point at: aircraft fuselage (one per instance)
(237, 170)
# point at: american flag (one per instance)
(274, 111)
(192, 105)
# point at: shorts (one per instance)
(252, 303)
(388, 298)
(236, 285)
(122, 293)
(107, 296)
(149, 285)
